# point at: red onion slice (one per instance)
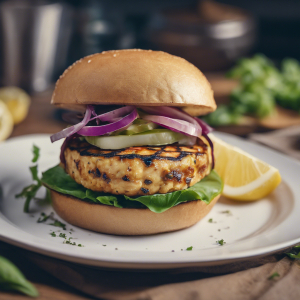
(75, 128)
(105, 129)
(111, 116)
(206, 129)
(175, 125)
(170, 112)
(175, 113)
(212, 150)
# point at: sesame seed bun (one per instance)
(134, 77)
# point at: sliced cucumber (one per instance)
(156, 137)
(139, 126)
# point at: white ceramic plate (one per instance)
(249, 229)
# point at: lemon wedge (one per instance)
(6, 122)
(245, 177)
(17, 101)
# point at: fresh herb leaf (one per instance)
(226, 212)
(69, 242)
(53, 234)
(63, 235)
(210, 221)
(12, 279)
(206, 190)
(80, 245)
(221, 242)
(189, 248)
(57, 223)
(36, 153)
(43, 218)
(34, 173)
(29, 192)
(275, 274)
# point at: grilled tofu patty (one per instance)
(136, 171)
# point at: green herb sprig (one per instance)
(221, 242)
(29, 192)
(44, 218)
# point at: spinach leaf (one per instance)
(206, 190)
(12, 279)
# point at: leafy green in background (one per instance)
(261, 86)
(11, 279)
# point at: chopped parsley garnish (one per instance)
(275, 274)
(57, 223)
(221, 242)
(189, 248)
(104, 245)
(43, 218)
(226, 212)
(66, 239)
(69, 242)
(210, 221)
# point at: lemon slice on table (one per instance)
(17, 101)
(6, 122)
(245, 176)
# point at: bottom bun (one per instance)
(128, 221)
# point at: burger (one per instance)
(135, 162)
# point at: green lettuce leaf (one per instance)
(206, 190)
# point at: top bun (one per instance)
(134, 77)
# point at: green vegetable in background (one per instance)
(223, 116)
(206, 190)
(12, 279)
(261, 86)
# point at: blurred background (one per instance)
(240, 45)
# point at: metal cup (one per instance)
(35, 39)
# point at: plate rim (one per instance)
(260, 252)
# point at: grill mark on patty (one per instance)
(125, 178)
(96, 173)
(145, 191)
(106, 178)
(160, 153)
